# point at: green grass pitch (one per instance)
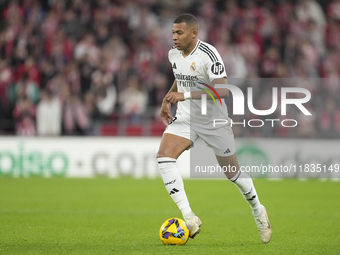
(123, 216)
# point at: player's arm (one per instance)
(222, 92)
(165, 113)
(174, 97)
(173, 88)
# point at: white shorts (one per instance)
(221, 140)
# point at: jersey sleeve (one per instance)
(214, 64)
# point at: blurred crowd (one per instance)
(69, 67)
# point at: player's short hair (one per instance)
(187, 18)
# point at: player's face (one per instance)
(182, 35)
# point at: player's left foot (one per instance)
(263, 225)
(194, 223)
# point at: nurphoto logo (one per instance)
(238, 105)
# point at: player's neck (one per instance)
(190, 48)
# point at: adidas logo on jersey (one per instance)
(173, 191)
(174, 66)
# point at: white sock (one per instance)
(245, 184)
(174, 184)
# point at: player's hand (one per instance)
(165, 113)
(174, 97)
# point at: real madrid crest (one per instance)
(193, 67)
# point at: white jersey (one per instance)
(203, 65)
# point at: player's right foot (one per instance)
(194, 223)
(263, 225)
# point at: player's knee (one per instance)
(161, 154)
(231, 174)
(165, 154)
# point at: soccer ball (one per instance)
(174, 231)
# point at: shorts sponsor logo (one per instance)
(227, 151)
